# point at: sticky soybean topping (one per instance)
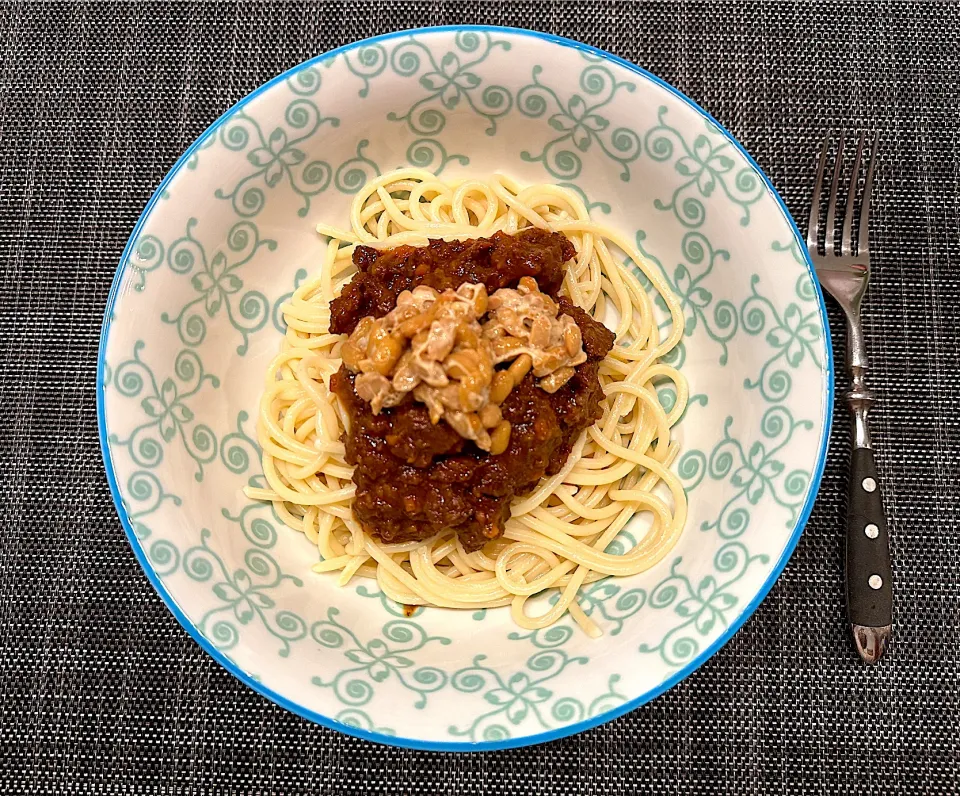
(442, 348)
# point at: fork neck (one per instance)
(856, 347)
(859, 399)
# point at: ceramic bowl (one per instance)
(193, 319)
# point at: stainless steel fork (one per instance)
(844, 274)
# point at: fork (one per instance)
(844, 274)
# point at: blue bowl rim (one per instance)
(509, 743)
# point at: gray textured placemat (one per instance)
(102, 692)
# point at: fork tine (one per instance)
(846, 239)
(832, 204)
(863, 246)
(813, 225)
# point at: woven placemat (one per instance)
(102, 692)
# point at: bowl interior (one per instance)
(194, 320)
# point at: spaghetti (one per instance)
(558, 536)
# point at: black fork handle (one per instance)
(868, 574)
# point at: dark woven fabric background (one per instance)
(102, 692)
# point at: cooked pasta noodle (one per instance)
(557, 537)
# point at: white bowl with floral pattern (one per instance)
(193, 320)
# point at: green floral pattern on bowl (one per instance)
(194, 319)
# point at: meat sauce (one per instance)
(414, 478)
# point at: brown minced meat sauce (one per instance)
(415, 478)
